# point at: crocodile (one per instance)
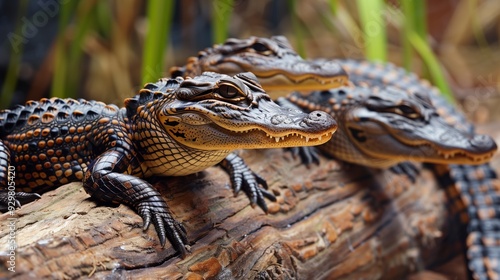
(387, 116)
(255, 54)
(272, 60)
(174, 127)
(383, 126)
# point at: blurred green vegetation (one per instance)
(100, 44)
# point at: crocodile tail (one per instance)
(473, 194)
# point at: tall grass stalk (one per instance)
(373, 26)
(297, 28)
(221, 14)
(333, 6)
(159, 15)
(408, 26)
(432, 63)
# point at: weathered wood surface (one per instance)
(333, 221)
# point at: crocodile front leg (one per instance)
(243, 178)
(7, 200)
(406, 168)
(104, 181)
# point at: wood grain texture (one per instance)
(333, 221)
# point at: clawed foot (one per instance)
(19, 198)
(308, 155)
(155, 209)
(243, 178)
(406, 168)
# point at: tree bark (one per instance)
(333, 221)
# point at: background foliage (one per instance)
(106, 50)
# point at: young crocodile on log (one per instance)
(274, 59)
(173, 127)
(388, 116)
(271, 60)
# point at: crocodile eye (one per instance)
(229, 93)
(261, 48)
(407, 111)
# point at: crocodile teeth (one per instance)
(277, 139)
(307, 139)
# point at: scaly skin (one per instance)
(174, 127)
(277, 66)
(470, 182)
(261, 55)
(381, 127)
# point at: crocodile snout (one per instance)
(319, 118)
(483, 143)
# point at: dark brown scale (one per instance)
(56, 141)
(47, 140)
(471, 189)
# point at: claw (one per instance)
(243, 178)
(237, 183)
(261, 181)
(21, 198)
(154, 209)
(308, 155)
(267, 194)
(146, 218)
(262, 204)
(160, 229)
(406, 168)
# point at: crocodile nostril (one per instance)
(318, 119)
(318, 116)
(483, 142)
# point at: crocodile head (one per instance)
(273, 61)
(219, 112)
(381, 127)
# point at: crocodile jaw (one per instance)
(283, 82)
(277, 66)
(217, 134)
(298, 74)
(398, 146)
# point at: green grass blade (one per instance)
(159, 15)
(419, 22)
(297, 28)
(333, 6)
(408, 27)
(221, 14)
(420, 27)
(17, 47)
(373, 26)
(432, 63)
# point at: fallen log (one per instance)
(333, 221)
